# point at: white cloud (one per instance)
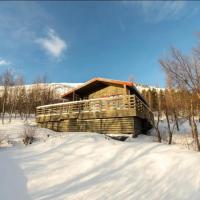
(157, 11)
(3, 62)
(52, 44)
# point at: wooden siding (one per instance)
(123, 125)
(107, 92)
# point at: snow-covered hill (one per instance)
(61, 88)
(64, 87)
(140, 87)
(93, 167)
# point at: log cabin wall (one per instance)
(108, 91)
(122, 125)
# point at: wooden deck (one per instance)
(113, 114)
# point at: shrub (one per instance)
(28, 134)
(2, 139)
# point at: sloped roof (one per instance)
(106, 81)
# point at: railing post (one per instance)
(100, 105)
(61, 110)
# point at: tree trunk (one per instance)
(158, 135)
(176, 121)
(156, 126)
(195, 132)
(11, 112)
(169, 128)
(3, 110)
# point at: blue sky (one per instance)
(75, 41)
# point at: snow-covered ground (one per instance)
(94, 167)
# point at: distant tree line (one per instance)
(16, 99)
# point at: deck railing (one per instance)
(98, 105)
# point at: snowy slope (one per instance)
(93, 167)
(140, 87)
(61, 88)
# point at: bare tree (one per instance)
(184, 71)
(16, 99)
(169, 110)
(7, 80)
(157, 121)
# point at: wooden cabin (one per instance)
(99, 105)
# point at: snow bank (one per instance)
(94, 167)
(12, 133)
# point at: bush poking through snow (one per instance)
(28, 134)
(2, 138)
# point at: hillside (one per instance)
(65, 86)
(61, 88)
(93, 167)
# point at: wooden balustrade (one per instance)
(97, 105)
